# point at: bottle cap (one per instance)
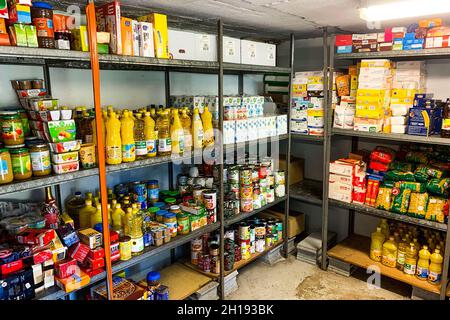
(153, 276)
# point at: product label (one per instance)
(153, 194)
(252, 51)
(113, 153)
(151, 146)
(446, 124)
(409, 268)
(172, 226)
(148, 239)
(164, 145)
(389, 260)
(21, 165)
(128, 151)
(137, 245)
(401, 258)
(422, 273)
(4, 168)
(12, 131)
(44, 27)
(434, 277)
(141, 148)
(200, 136)
(40, 161)
(230, 48)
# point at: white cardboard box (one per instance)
(241, 130)
(258, 53)
(281, 124)
(337, 178)
(181, 44)
(229, 131)
(146, 45)
(205, 47)
(231, 50)
(252, 131)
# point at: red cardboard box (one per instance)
(97, 253)
(113, 236)
(96, 263)
(343, 40)
(65, 268)
(388, 35)
(92, 273)
(79, 252)
(40, 237)
(42, 256)
(108, 20)
(11, 267)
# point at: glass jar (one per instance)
(160, 215)
(184, 226)
(12, 129)
(21, 164)
(153, 284)
(6, 173)
(40, 160)
(170, 220)
(175, 209)
(171, 201)
(42, 16)
(152, 213)
(153, 191)
(25, 122)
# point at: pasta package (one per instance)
(438, 187)
(413, 186)
(401, 201)
(343, 85)
(437, 209)
(401, 166)
(384, 199)
(418, 203)
(397, 175)
(430, 171)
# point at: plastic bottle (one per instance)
(139, 137)
(127, 134)
(73, 206)
(177, 134)
(410, 260)
(164, 136)
(150, 135)
(389, 256)
(97, 216)
(423, 264)
(117, 218)
(87, 131)
(384, 228)
(207, 127)
(187, 124)
(113, 140)
(376, 245)
(435, 274)
(126, 220)
(89, 196)
(136, 231)
(197, 130)
(401, 254)
(416, 244)
(85, 214)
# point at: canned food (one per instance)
(209, 182)
(245, 176)
(255, 174)
(246, 192)
(182, 180)
(233, 175)
(211, 216)
(252, 233)
(246, 205)
(197, 193)
(214, 249)
(125, 245)
(262, 198)
(270, 195)
(280, 178)
(270, 180)
(196, 245)
(260, 231)
(252, 247)
(210, 199)
(257, 202)
(245, 250)
(262, 171)
(269, 240)
(263, 185)
(244, 231)
(280, 191)
(260, 245)
(140, 193)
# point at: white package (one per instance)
(146, 44)
(344, 116)
(271, 126)
(136, 41)
(399, 109)
(205, 47)
(299, 126)
(252, 133)
(398, 128)
(181, 44)
(258, 53)
(398, 120)
(282, 124)
(316, 103)
(231, 50)
(315, 121)
(241, 130)
(229, 131)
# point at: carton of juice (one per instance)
(146, 47)
(127, 36)
(108, 20)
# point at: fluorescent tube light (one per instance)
(404, 9)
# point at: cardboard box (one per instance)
(4, 37)
(146, 45)
(73, 282)
(231, 50)
(258, 53)
(61, 131)
(136, 40)
(109, 20)
(90, 237)
(79, 39)
(337, 178)
(66, 268)
(343, 40)
(160, 33)
(296, 221)
(181, 45)
(297, 169)
(19, 14)
(126, 29)
(123, 289)
(205, 47)
(4, 10)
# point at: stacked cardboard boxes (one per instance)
(347, 181)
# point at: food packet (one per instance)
(383, 155)
(438, 186)
(388, 184)
(384, 199)
(401, 201)
(343, 85)
(417, 157)
(413, 186)
(437, 209)
(396, 175)
(401, 166)
(430, 171)
(418, 205)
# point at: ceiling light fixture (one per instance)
(404, 9)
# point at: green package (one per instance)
(413, 186)
(401, 202)
(388, 184)
(401, 166)
(436, 209)
(21, 35)
(31, 33)
(62, 131)
(397, 175)
(417, 157)
(429, 171)
(438, 186)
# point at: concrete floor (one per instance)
(292, 279)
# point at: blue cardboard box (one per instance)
(344, 49)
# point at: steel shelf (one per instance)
(306, 137)
(389, 215)
(243, 216)
(308, 191)
(78, 59)
(439, 53)
(393, 137)
(256, 142)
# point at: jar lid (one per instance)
(4, 150)
(153, 276)
(159, 204)
(174, 207)
(42, 5)
(39, 145)
(170, 215)
(171, 200)
(8, 112)
(153, 209)
(31, 138)
(12, 115)
(18, 150)
(152, 182)
(173, 193)
(15, 147)
(162, 212)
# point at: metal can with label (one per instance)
(255, 174)
(233, 175)
(210, 199)
(280, 191)
(246, 205)
(245, 250)
(246, 192)
(148, 239)
(252, 233)
(244, 231)
(197, 244)
(137, 246)
(245, 176)
(280, 177)
(262, 171)
(270, 180)
(263, 185)
(260, 231)
(252, 247)
(269, 240)
(125, 248)
(260, 245)
(197, 193)
(257, 202)
(270, 195)
(262, 198)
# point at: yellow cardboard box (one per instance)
(403, 93)
(160, 33)
(126, 28)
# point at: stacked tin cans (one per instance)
(205, 253)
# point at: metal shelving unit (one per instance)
(48, 58)
(306, 138)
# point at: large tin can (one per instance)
(140, 193)
(197, 193)
(280, 177)
(245, 176)
(233, 175)
(244, 231)
(246, 192)
(210, 199)
(246, 205)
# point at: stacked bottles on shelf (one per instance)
(415, 251)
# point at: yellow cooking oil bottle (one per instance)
(410, 260)
(423, 264)
(207, 127)
(186, 123)
(117, 218)
(150, 135)
(164, 140)
(136, 230)
(127, 133)
(139, 137)
(197, 130)
(401, 254)
(389, 255)
(97, 216)
(113, 140)
(85, 214)
(126, 218)
(177, 134)
(435, 274)
(384, 228)
(376, 245)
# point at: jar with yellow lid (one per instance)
(40, 160)
(21, 163)
(6, 173)
(12, 129)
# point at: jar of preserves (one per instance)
(170, 220)
(25, 122)
(153, 191)
(42, 16)
(21, 164)
(184, 226)
(6, 173)
(175, 209)
(160, 215)
(12, 129)
(171, 201)
(40, 160)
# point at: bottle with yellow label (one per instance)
(389, 255)
(186, 123)
(113, 140)
(97, 216)
(139, 137)
(127, 133)
(410, 260)
(376, 245)
(207, 127)
(435, 274)
(164, 136)
(177, 134)
(197, 130)
(423, 264)
(150, 135)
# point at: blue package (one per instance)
(344, 49)
(417, 131)
(424, 96)
(410, 36)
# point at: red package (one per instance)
(42, 256)
(97, 253)
(378, 166)
(358, 195)
(92, 273)
(343, 40)
(11, 267)
(96, 263)
(65, 268)
(115, 256)
(382, 155)
(79, 252)
(39, 237)
(369, 192)
(388, 35)
(113, 237)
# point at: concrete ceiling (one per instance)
(257, 19)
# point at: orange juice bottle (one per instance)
(207, 127)
(127, 133)
(177, 134)
(113, 140)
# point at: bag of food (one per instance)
(417, 157)
(401, 200)
(437, 209)
(343, 85)
(438, 187)
(384, 199)
(413, 186)
(396, 175)
(418, 205)
(378, 166)
(430, 171)
(383, 155)
(401, 166)
(388, 184)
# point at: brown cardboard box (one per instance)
(296, 220)
(297, 169)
